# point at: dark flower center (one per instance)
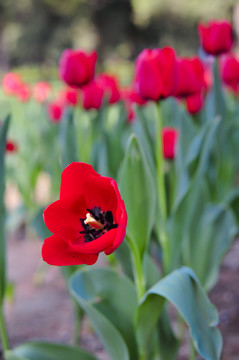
(97, 223)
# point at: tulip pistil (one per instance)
(97, 223)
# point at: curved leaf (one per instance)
(184, 291)
(47, 351)
(110, 301)
(138, 191)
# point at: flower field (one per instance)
(131, 191)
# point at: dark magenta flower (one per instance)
(216, 37)
(194, 103)
(11, 146)
(55, 110)
(189, 78)
(69, 96)
(89, 218)
(92, 95)
(170, 138)
(110, 86)
(76, 68)
(229, 70)
(155, 73)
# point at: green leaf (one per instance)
(184, 291)
(209, 241)
(47, 351)
(3, 136)
(168, 343)
(232, 200)
(110, 301)
(137, 187)
(184, 219)
(39, 225)
(67, 139)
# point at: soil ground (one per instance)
(41, 310)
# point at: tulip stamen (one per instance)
(97, 223)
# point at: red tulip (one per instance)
(11, 146)
(216, 38)
(110, 86)
(92, 95)
(189, 76)
(89, 218)
(170, 137)
(41, 91)
(229, 69)
(77, 68)
(194, 103)
(23, 92)
(11, 83)
(69, 96)
(155, 73)
(55, 110)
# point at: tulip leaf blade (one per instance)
(110, 300)
(183, 290)
(67, 139)
(3, 136)
(137, 187)
(47, 351)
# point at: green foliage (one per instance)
(3, 134)
(137, 187)
(47, 351)
(109, 299)
(184, 291)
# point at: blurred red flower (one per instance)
(11, 82)
(55, 110)
(76, 68)
(111, 88)
(229, 70)
(216, 37)
(41, 91)
(189, 78)
(89, 218)
(92, 95)
(194, 103)
(23, 92)
(103, 86)
(169, 137)
(155, 73)
(11, 146)
(69, 96)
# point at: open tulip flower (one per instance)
(89, 218)
(216, 38)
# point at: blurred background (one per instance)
(33, 33)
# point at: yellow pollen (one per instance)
(92, 222)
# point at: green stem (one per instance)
(161, 191)
(138, 270)
(3, 331)
(159, 167)
(77, 323)
(192, 355)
